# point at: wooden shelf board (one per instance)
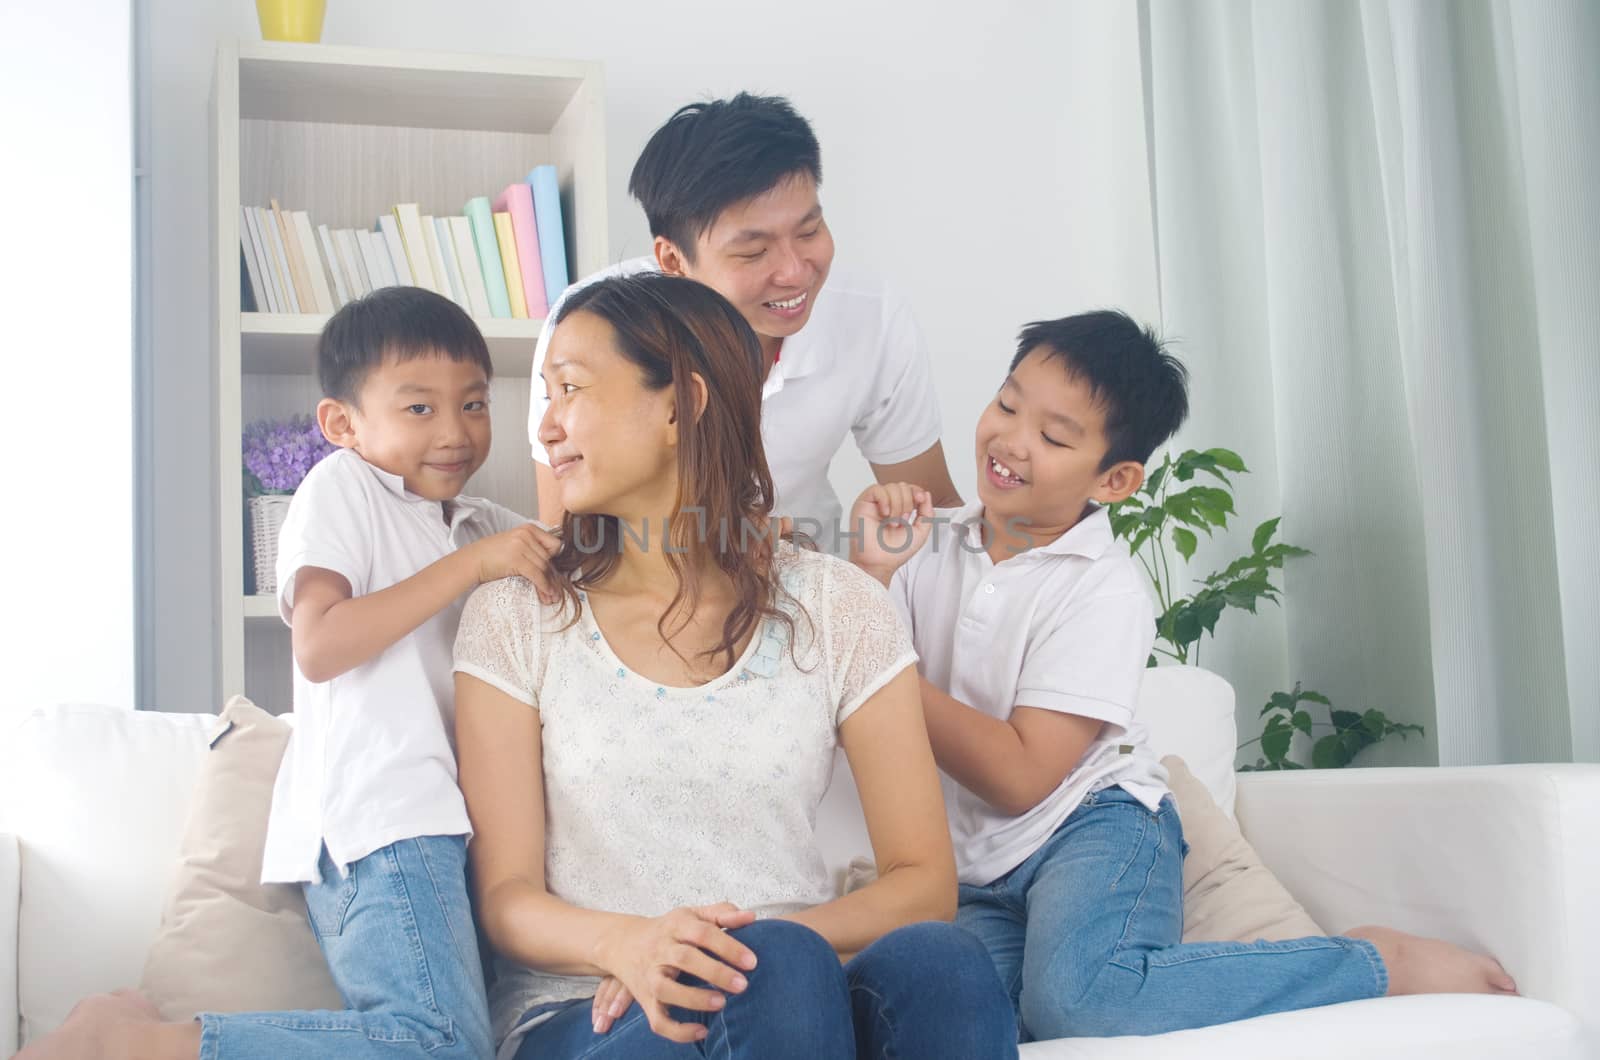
(372, 86)
(286, 343)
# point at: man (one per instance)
(730, 191)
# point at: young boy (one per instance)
(1033, 626)
(730, 190)
(375, 560)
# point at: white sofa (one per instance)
(1501, 859)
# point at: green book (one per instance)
(481, 217)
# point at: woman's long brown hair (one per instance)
(670, 327)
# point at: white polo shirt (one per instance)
(370, 760)
(1066, 627)
(859, 366)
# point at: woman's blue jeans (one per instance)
(927, 991)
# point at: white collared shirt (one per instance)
(859, 366)
(1066, 627)
(370, 760)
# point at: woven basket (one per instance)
(266, 517)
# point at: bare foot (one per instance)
(1420, 965)
(114, 1026)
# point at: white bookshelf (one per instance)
(345, 133)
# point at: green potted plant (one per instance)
(1191, 494)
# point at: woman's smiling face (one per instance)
(611, 440)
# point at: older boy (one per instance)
(1033, 626)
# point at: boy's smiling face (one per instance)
(425, 419)
(1040, 444)
(769, 255)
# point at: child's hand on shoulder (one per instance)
(525, 550)
(889, 523)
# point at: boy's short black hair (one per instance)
(709, 156)
(398, 322)
(1143, 388)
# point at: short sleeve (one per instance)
(497, 518)
(1090, 660)
(867, 643)
(900, 417)
(328, 525)
(498, 641)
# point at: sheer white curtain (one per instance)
(1378, 238)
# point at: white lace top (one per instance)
(658, 796)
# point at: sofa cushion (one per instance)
(1188, 712)
(1458, 1026)
(1228, 894)
(218, 909)
(96, 797)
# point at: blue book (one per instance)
(552, 234)
(481, 217)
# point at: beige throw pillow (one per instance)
(227, 943)
(1228, 894)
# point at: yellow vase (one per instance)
(296, 20)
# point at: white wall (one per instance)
(66, 292)
(989, 159)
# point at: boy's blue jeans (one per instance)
(398, 935)
(1086, 937)
(926, 991)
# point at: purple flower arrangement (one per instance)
(279, 453)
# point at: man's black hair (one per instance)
(709, 156)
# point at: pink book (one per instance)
(517, 200)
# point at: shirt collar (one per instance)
(461, 507)
(395, 484)
(1089, 537)
(798, 357)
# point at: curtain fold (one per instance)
(1379, 251)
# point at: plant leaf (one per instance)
(1329, 752)
(1263, 535)
(1184, 541)
(1229, 459)
(1275, 740)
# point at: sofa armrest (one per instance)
(1500, 859)
(10, 906)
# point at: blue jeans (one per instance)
(398, 935)
(926, 991)
(1086, 937)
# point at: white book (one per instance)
(315, 268)
(441, 279)
(252, 262)
(390, 229)
(280, 260)
(447, 256)
(471, 271)
(344, 241)
(415, 242)
(341, 289)
(376, 255)
(269, 274)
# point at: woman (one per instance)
(687, 696)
